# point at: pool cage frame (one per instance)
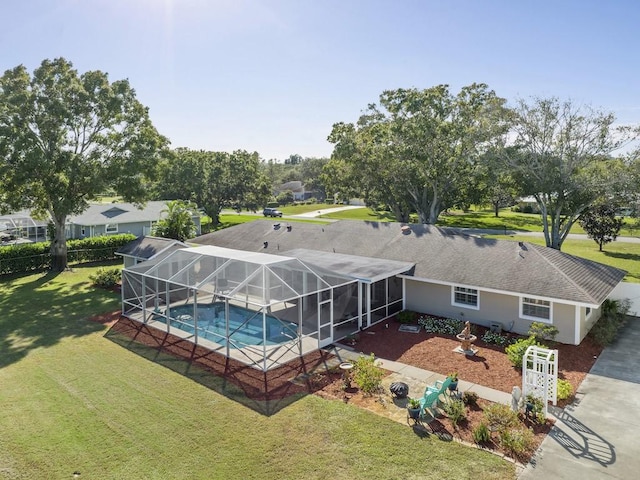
(265, 286)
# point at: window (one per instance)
(111, 228)
(465, 297)
(587, 312)
(535, 309)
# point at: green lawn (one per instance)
(75, 397)
(475, 219)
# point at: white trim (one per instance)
(465, 305)
(576, 333)
(536, 319)
(501, 292)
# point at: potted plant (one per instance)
(453, 386)
(413, 408)
(533, 406)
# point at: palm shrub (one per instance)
(367, 375)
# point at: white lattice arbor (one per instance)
(540, 374)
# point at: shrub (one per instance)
(495, 338)
(613, 316)
(367, 374)
(455, 410)
(29, 257)
(500, 417)
(565, 390)
(481, 433)
(516, 350)
(517, 441)
(470, 398)
(444, 326)
(543, 331)
(537, 404)
(406, 316)
(106, 277)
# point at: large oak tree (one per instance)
(65, 138)
(417, 149)
(561, 158)
(214, 180)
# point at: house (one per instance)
(484, 281)
(300, 193)
(112, 218)
(264, 293)
(98, 219)
(144, 248)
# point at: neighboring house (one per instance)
(484, 281)
(144, 248)
(113, 218)
(98, 219)
(299, 191)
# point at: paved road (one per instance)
(597, 437)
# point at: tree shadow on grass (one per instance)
(264, 392)
(32, 316)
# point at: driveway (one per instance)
(597, 436)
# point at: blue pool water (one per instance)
(245, 326)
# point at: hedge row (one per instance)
(29, 257)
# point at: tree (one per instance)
(561, 159)
(65, 138)
(213, 180)
(601, 224)
(417, 149)
(178, 223)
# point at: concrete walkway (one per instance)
(597, 436)
(418, 379)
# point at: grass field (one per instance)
(75, 397)
(483, 219)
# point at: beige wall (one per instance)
(494, 307)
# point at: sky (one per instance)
(273, 76)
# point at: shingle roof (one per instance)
(439, 255)
(100, 214)
(143, 248)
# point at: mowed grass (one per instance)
(483, 219)
(78, 398)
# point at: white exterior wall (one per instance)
(630, 291)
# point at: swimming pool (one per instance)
(245, 326)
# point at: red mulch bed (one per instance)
(489, 367)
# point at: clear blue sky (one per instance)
(273, 76)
